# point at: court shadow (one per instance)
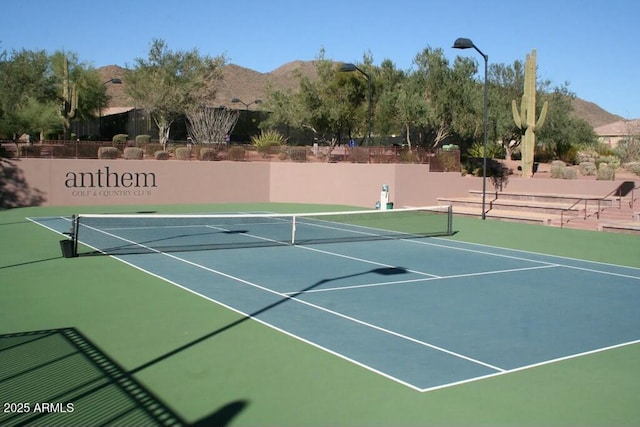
(36, 261)
(386, 271)
(82, 385)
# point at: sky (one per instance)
(590, 45)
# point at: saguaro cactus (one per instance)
(526, 118)
(69, 98)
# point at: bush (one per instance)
(143, 139)
(612, 161)
(494, 150)
(161, 155)
(606, 172)
(628, 150)
(237, 154)
(633, 167)
(208, 153)
(588, 155)
(108, 153)
(121, 137)
(133, 153)
(569, 173)
(557, 169)
(182, 153)
(267, 140)
(298, 154)
(587, 168)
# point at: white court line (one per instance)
(291, 298)
(499, 372)
(524, 252)
(426, 279)
(534, 365)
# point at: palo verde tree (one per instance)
(168, 84)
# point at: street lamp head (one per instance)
(114, 80)
(347, 67)
(463, 43)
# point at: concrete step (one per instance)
(569, 199)
(514, 205)
(508, 215)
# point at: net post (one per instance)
(449, 220)
(293, 230)
(74, 233)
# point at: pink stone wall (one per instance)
(69, 182)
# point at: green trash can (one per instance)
(390, 205)
(67, 248)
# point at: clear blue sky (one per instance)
(591, 45)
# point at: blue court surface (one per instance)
(425, 312)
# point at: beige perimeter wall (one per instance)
(62, 182)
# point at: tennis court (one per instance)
(420, 310)
(496, 324)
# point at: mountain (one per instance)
(249, 85)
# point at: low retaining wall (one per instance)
(70, 182)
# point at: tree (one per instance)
(562, 133)
(452, 98)
(33, 82)
(505, 84)
(25, 77)
(168, 84)
(329, 105)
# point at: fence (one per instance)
(439, 160)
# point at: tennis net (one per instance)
(143, 233)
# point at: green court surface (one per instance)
(103, 342)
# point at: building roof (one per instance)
(619, 128)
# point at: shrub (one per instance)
(150, 149)
(612, 161)
(108, 153)
(298, 154)
(586, 155)
(121, 137)
(606, 172)
(267, 140)
(237, 154)
(143, 139)
(628, 150)
(494, 150)
(587, 168)
(161, 155)
(182, 153)
(569, 173)
(208, 153)
(557, 169)
(133, 153)
(633, 167)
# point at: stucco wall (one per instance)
(63, 182)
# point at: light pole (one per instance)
(246, 105)
(350, 68)
(112, 80)
(463, 43)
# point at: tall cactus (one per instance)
(526, 118)
(69, 98)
